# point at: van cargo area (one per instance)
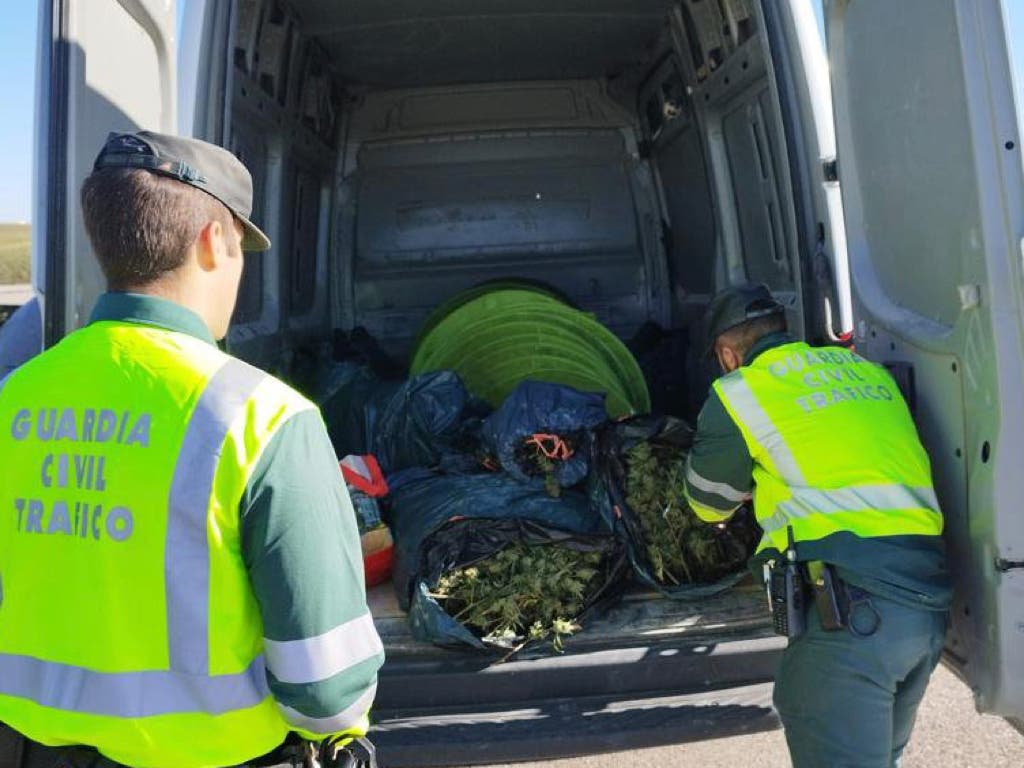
(632, 155)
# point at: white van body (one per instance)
(637, 155)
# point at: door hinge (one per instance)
(1003, 565)
(831, 169)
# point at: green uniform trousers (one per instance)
(849, 700)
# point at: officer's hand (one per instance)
(357, 753)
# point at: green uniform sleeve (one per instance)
(301, 547)
(719, 470)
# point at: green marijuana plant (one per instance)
(681, 548)
(522, 592)
(551, 484)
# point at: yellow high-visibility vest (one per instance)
(833, 444)
(127, 620)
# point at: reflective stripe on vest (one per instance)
(187, 558)
(835, 406)
(741, 397)
(815, 501)
(187, 686)
(129, 694)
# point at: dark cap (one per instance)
(204, 166)
(736, 305)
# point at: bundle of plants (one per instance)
(638, 487)
(522, 593)
(484, 560)
(681, 548)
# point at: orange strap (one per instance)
(551, 446)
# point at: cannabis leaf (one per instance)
(523, 592)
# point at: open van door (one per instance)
(105, 65)
(929, 160)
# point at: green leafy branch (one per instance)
(681, 548)
(522, 592)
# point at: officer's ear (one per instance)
(729, 357)
(212, 245)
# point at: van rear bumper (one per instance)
(464, 710)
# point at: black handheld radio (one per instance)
(786, 594)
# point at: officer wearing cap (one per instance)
(823, 443)
(181, 574)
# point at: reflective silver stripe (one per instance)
(321, 657)
(342, 721)
(741, 398)
(187, 554)
(724, 490)
(806, 502)
(129, 694)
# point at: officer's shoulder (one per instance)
(270, 388)
(714, 404)
(725, 380)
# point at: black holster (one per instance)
(830, 596)
(836, 601)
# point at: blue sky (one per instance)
(17, 63)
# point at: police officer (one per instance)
(823, 442)
(181, 574)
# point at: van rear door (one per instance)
(929, 160)
(105, 65)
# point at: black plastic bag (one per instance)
(430, 421)
(427, 421)
(359, 346)
(446, 522)
(543, 421)
(351, 398)
(607, 490)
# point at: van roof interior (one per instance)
(408, 43)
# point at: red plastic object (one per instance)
(377, 567)
(363, 473)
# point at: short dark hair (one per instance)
(141, 224)
(744, 336)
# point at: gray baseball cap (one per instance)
(736, 305)
(204, 166)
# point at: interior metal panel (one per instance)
(754, 167)
(304, 213)
(437, 217)
(408, 43)
(691, 217)
(251, 149)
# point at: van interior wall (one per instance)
(632, 159)
(711, 111)
(454, 186)
(711, 117)
(284, 125)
